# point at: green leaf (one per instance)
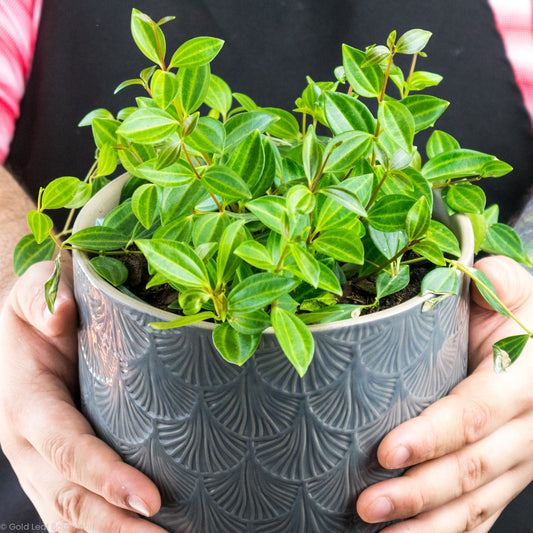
(209, 227)
(179, 229)
(388, 243)
(208, 137)
(269, 210)
(506, 351)
(294, 338)
(285, 127)
(107, 160)
(258, 291)
(248, 159)
(389, 213)
(183, 321)
(420, 80)
(240, 126)
(87, 120)
(440, 142)
(346, 114)
(430, 251)
(227, 261)
(412, 41)
(300, 200)
(332, 314)
(60, 192)
(374, 55)
(312, 153)
(28, 252)
(177, 174)
(347, 149)
(235, 347)
(224, 182)
(495, 169)
(193, 84)
(40, 225)
(418, 219)
(425, 109)
(398, 123)
(345, 197)
(328, 281)
(219, 95)
(385, 284)
(444, 238)
(145, 203)
(191, 301)
(466, 198)
(366, 81)
(459, 163)
(105, 131)
(99, 239)
(341, 245)
(188, 125)
(487, 290)
(164, 87)
(111, 269)
(51, 285)
(255, 254)
(441, 281)
(177, 261)
(250, 323)
(196, 52)
(148, 126)
(308, 267)
(148, 37)
(502, 239)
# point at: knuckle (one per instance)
(62, 455)
(475, 418)
(477, 514)
(68, 502)
(472, 471)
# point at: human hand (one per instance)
(71, 476)
(470, 453)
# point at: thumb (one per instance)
(513, 283)
(28, 300)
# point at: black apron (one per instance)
(84, 50)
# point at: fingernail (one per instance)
(380, 510)
(138, 505)
(398, 457)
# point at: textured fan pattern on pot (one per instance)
(257, 449)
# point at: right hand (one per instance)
(73, 478)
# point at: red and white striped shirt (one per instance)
(19, 21)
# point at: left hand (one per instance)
(471, 452)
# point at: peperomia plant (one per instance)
(257, 219)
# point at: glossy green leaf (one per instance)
(294, 337)
(226, 183)
(388, 243)
(110, 269)
(87, 120)
(441, 281)
(99, 239)
(366, 81)
(164, 87)
(250, 323)
(177, 174)
(386, 285)
(420, 80)
(389, 213)
(193, 84)
(51, 285)
(183, 321)
(502, 239)
(487, 290)
(345, 113)
(444, 238)
(255, 254)
(258, 291)
(248, 159)
(466, 198)
(191, 301)
(28, 252)
(308, 267)
(269, 210)
(145, 203)
(398, 123)
(148, 37)
(430, 251)
(60, 192)
(209, 227)
(341, 245)
(219, 95)
(40, 225)
(374, 55)
(107, 160)
(331, 314)
(506, 351)
(413, 41)
(235, 347)
(148, 125)
(312, 152)
(241, 125)
(179, 229)
(227, 261)
(208, 137)
(196, 52)
(300, 200)
(459, 163)
(286, 126)
(426, 109)
(328, 281)
(495, 169)
(344, 197)
(348, 148)
(418, 219)
(168, 154)
(177, 261)
(440, 142)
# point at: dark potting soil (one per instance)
(362, 293)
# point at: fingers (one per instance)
(435, 483)
(75, 506)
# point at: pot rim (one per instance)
(107, 198)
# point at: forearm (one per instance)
(14, 204)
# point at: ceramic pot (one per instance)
(257, 449)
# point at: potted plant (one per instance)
(243, 338)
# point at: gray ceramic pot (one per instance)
(257, 449)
